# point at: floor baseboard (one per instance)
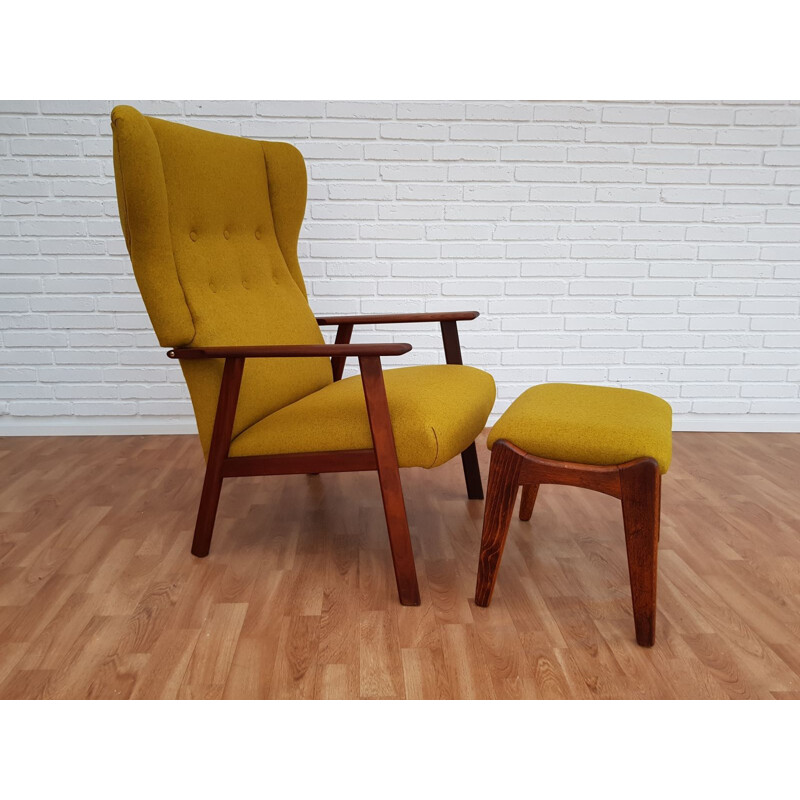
(99, 427)
(71, 426)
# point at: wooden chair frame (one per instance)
(381, 457)
(636, 483)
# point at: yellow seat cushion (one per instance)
(599, 425)
(437, 412)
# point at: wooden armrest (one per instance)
(372, 319)
(292, 351)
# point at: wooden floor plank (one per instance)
(211, 660)
(100, 597)
(294, 673)
(379, 657)
(467, 671)
(425, 674)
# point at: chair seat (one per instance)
(437, 412)
(597, 425)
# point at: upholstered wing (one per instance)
(211, 224)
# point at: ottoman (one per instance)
(615, 441)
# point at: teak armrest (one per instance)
(381, 457)
(448, 322)
(292, 351)
(374, 319)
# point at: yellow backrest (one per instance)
(211, 224)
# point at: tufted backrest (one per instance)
(211, 224)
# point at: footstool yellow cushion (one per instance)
(599, 425)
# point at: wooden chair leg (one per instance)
(343, 334)
(220, 443)
(529, 492)
(640, 488)
(472, 473)
(469, 458)
(504, 470)
(389, 477)
(207, 510)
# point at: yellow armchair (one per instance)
(211, 223)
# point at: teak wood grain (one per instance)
(389, 478)
(373, 319)
(636, 483)
(469, 458)
(218, 455)
(382, 457)
(100, 598)
(337, 350)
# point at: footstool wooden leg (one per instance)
(529, 493)
(501, 493)
(640, 489)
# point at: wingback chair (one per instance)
(211, 223)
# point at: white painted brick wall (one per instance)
(651, 245)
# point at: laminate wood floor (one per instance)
(100, 598)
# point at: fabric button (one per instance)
(258, 233)
(193, 236)
(244, 283)
(226, 234)
(212, 286)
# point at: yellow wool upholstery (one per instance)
(598, 425)
(211, 223)
(436, 412)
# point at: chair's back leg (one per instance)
(469, 458)
(640, 486)
(343, 334)
(218, 452)
(389, 476)
(472, 473)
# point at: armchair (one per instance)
(211, 223)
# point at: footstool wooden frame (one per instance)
(636, 483)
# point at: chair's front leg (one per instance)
(469, 458)
(389, 476)
(218, 452)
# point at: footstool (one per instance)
(615, 441)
